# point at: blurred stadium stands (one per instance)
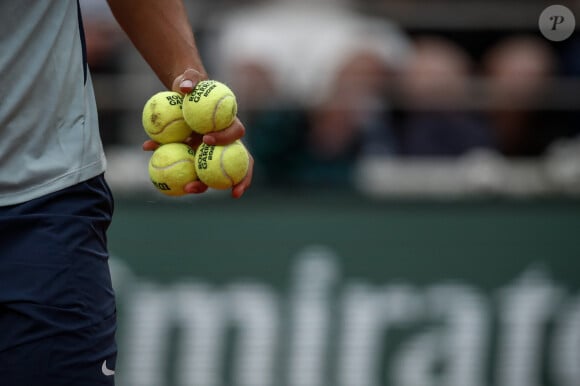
(301, 74)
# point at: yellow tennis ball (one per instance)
(163, 118)
(211, 106)
(171, 167)
(221, 167)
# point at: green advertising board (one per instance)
(343, 290)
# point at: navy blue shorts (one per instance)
(57, 306)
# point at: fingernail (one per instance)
(186, 84)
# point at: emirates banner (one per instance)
(332, 290)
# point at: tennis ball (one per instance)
(211, 106)
(163, 118)
(221, 167)
(171, 167)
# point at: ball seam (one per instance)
(171, 164)
(223, 169)
(215, 110)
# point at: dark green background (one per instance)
(483, 241)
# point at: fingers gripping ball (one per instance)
(211, 106)
(221, 167)
(163, 118)
(171, 167)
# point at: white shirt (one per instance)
(49, 137)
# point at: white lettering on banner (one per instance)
(202, 314)
(255, 309)
(566, 347)
(459, 343)
(367, 316)
(310, 317)
(332, 330)
(465, 315)
(525, 309)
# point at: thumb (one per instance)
(186, 82)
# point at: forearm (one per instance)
(161, 32)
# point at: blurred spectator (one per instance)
(349, 122)
(519, 70)
(435, 88)
(104, 45)
(312, 82)
(571, 68)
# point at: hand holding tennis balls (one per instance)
(222, 128)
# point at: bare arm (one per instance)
(161, 32)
